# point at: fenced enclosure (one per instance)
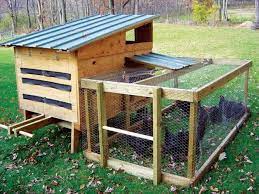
(164, 125)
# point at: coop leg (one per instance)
(246, 74)
(192, 139)
(157, 136)
(102, 122)
(75, 139)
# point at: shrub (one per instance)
(203, 10)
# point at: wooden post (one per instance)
(157, 136)
(75, 139)
(192, 139)
(102, 122)
(87, 121)
(246, 74)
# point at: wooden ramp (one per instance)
(26, 127)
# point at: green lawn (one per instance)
(43, 163)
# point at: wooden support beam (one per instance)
(102, 122)
(3, 126)
(31, 120)
(87, 120)
(176, 81)
(26, 134)
(31, 126)
(139, 171)
(127, 111)
(192, 139)
(75, 139)
(221, 81)
(157, 136)
(214, 156)
(147, 137)
(246, 74)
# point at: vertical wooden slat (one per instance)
(102, 122)
(246, 74)
(75, 136)
(192, 139)
(87, 121)
(156, 136)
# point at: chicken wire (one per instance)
(222, 111)
(134, 114)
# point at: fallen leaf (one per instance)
(203, 189)
(173, 188)
(11, 166)
(250, 188)
(55, 183)
(214, 189)
(108, 190)
(82, 186)
(222, 156)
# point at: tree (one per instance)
(256, 24)
(28, 13)
(223, 10)
(62, 11)
(40, 14)
(12, 10)
(111, 6)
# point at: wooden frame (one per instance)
(140, 89)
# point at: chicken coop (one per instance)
(163, 118)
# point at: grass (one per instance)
(43, 164)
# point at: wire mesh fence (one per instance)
(132, 115)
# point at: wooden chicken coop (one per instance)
(159, 117)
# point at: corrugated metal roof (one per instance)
(76, 34)
(164, 61)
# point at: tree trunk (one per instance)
(11, 9)
(40, 14)
(256, 25)
(111, 6)
(28, 14)
(136, 7)
(62, 12)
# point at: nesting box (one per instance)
(155, 116)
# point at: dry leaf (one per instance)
(222, 156)
(82, 186)
(173, 188)
(203, 189)
(108, 190)
(55, 183)
(214, 189)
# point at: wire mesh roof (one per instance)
(76, 34)
(164, 61)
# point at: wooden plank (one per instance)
(147, 137)
(214, 156)
(46, 92)
(102, 122)
(3, 126)
(109, 46)
(87, 121)
(127, 111)
(176, 82)
(35, 125)
(221, 81)
(24, 133)
(44, 78)
(142, 46)
(157, 136)
(237, 62)
(192, 139)
(246, 77)
(61, 113)
(139, 171)
(75, 139)
(16, 125)
(140, 90)
(175, 180)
